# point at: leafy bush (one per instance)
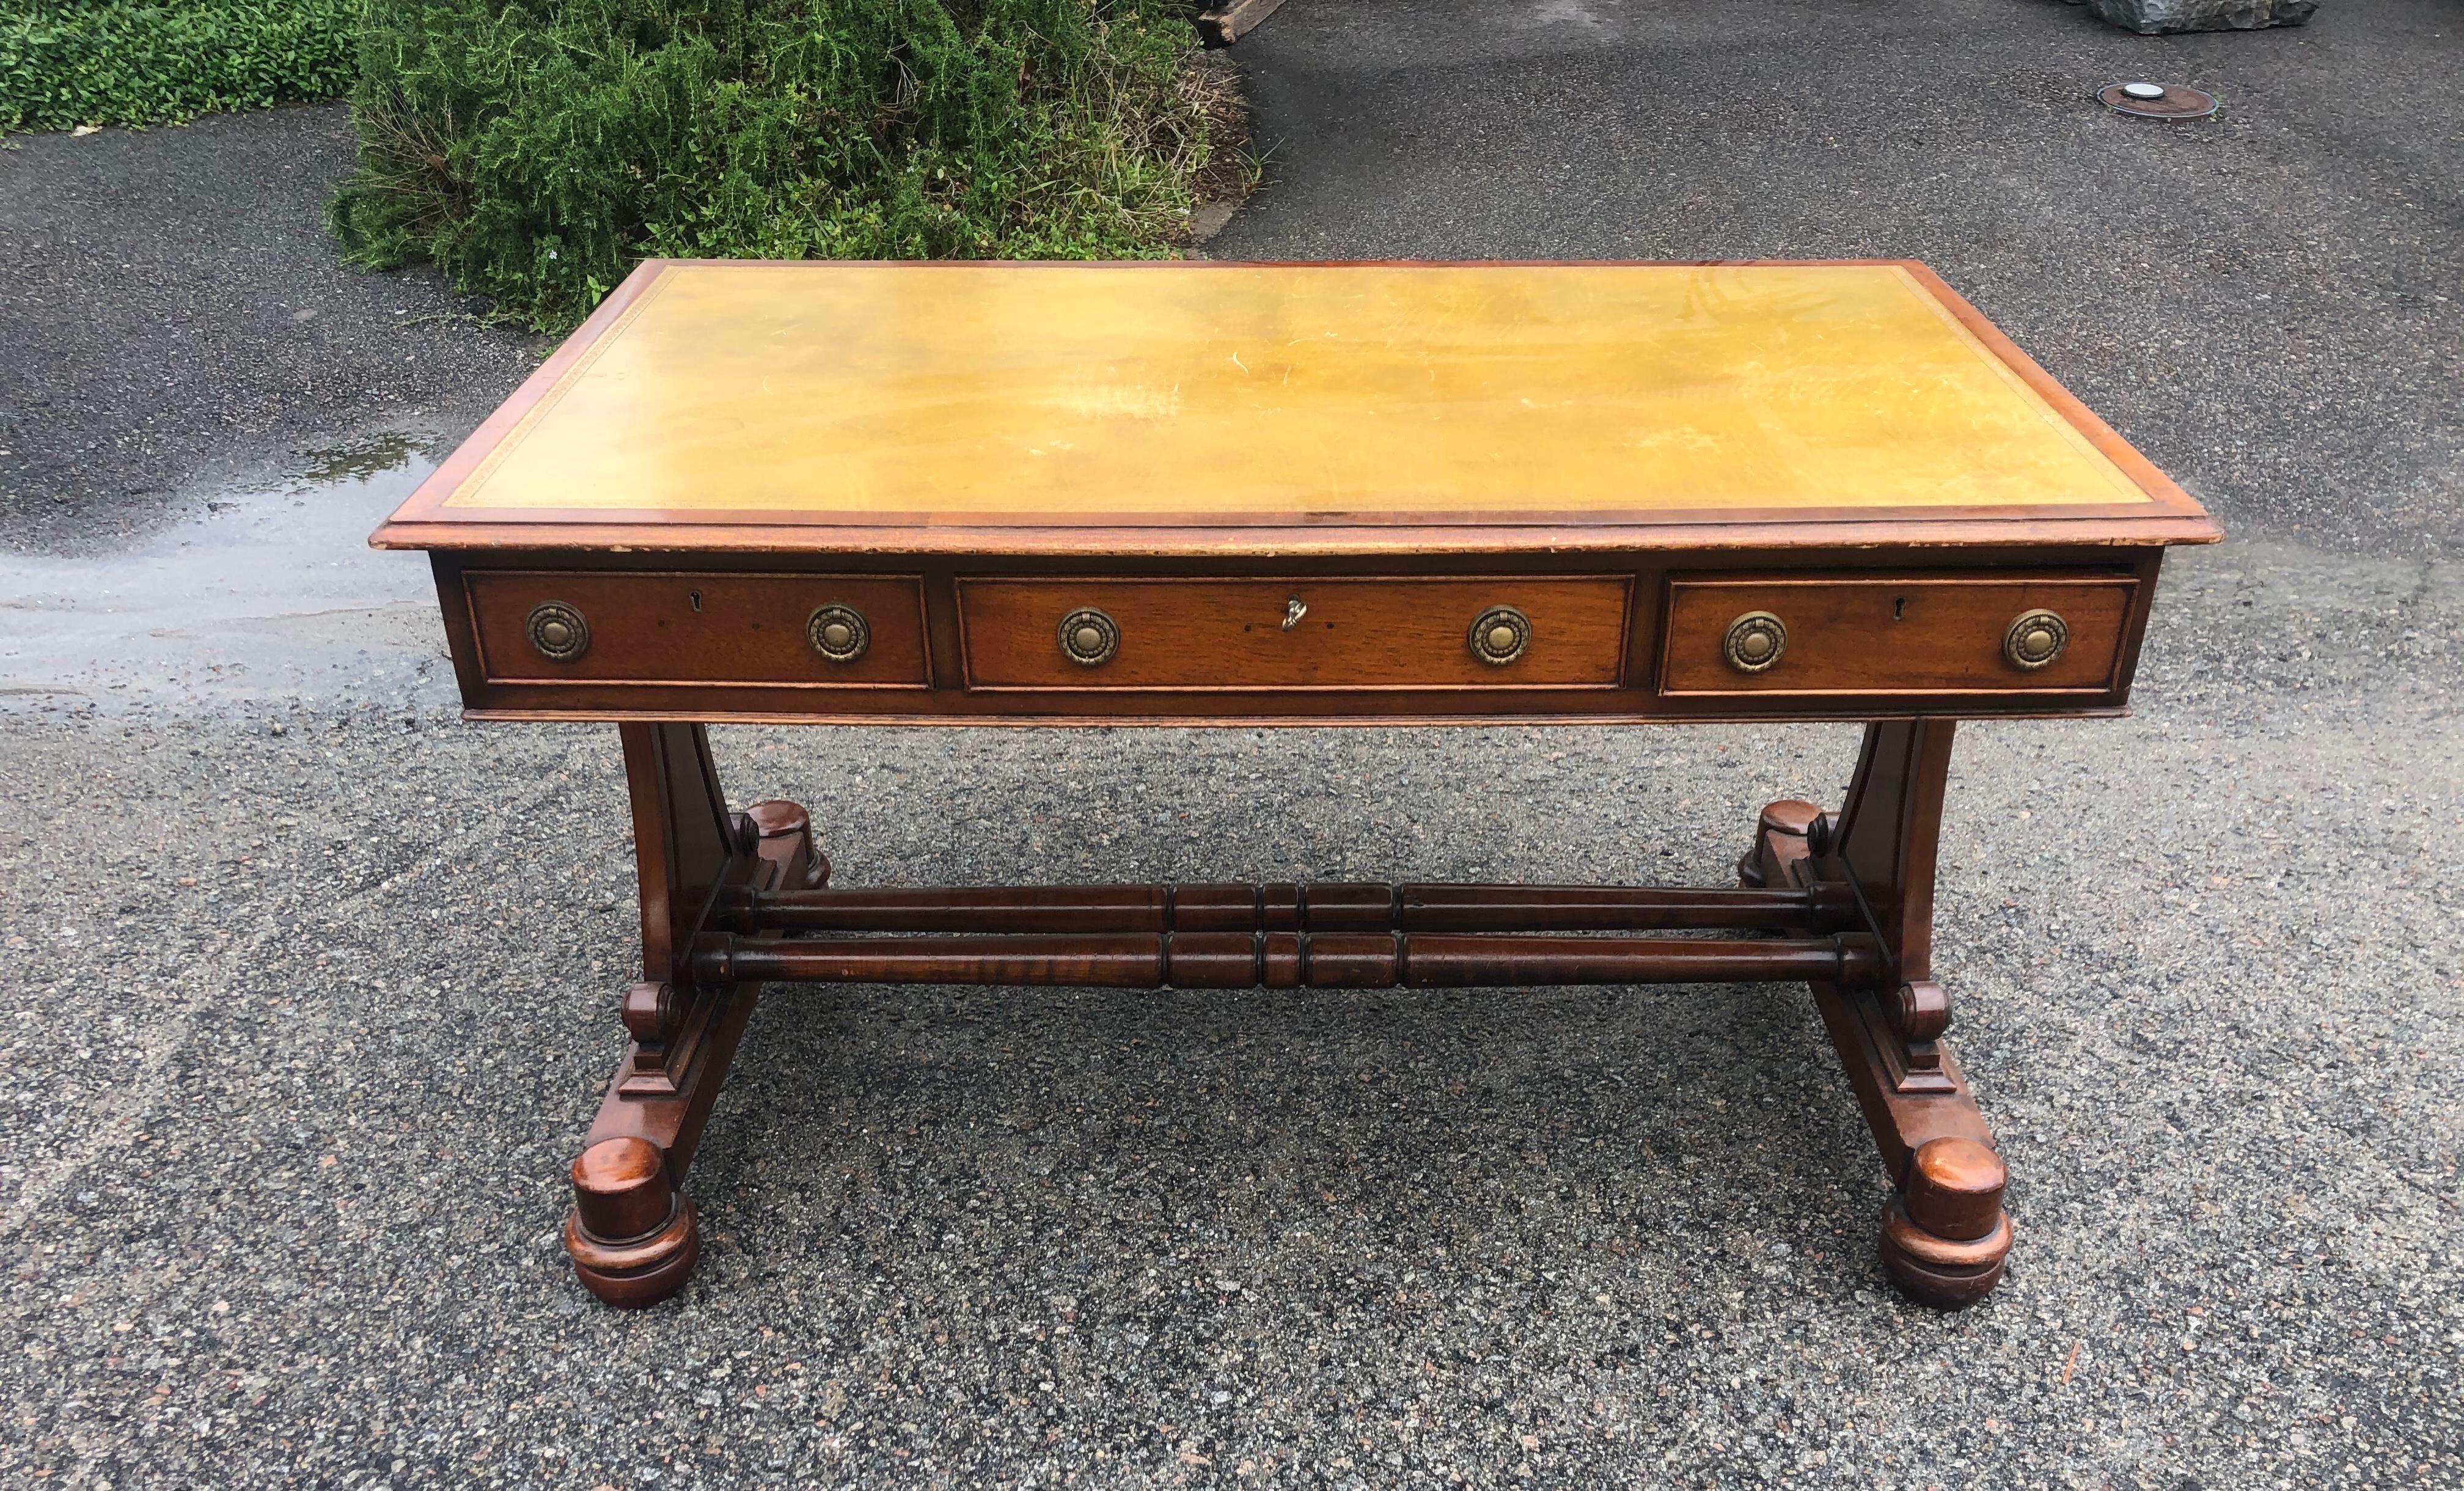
(69, 62)
(533, 149)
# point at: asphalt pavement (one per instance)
(312, 985)
(178, 325)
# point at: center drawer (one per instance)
(1209, 635)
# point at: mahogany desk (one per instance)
(1203, 493)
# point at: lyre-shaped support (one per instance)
(633, 1235)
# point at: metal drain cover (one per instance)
(2156, 100)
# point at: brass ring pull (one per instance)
(1293, 610)
(838, 633)
(2034, 639)
(1499, 635)
(557, 631)
(1754, 641)
(1089, 637)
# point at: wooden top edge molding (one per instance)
(1265, 540)
(1217, 408)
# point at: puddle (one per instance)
(360, 460)
(269, 595)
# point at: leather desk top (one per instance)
(1206, 408)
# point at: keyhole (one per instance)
(697, 599)
(1898, 606)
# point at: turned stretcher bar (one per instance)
(1286, 959)
(1049, 910)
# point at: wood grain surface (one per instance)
(1895, 635)
(1357, 633)
(671, 628)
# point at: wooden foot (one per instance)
(1945, 1236)
(787, 848)
(1779, 839)
(633, 1239)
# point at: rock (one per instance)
(2149, 18)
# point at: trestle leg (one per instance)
(1944, 1234)
(633, 1235)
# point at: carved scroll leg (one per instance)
(633, 1235)
(1944, 1234)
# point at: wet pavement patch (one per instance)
(269, 593)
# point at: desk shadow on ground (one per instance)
(1111, 1215)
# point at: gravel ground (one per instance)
(307, 1025)
(312, 985)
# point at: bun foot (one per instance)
(1945, 1236)
(633, 1239)
(1779, 839)
(784, 836)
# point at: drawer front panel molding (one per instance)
(679, 628)
(1879, 636)
(1189, 634)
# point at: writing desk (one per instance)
(1218, 494)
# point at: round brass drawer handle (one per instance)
(1754, 641)
(2035, 639)
(838, 632)
(1089, 637)
(557, 631)
(1500, 634)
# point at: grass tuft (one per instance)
(535, 149)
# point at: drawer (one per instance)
(1867, 635)
(577, 626)
(1212, 635)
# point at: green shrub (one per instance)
(534, 149)
(69, 62)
